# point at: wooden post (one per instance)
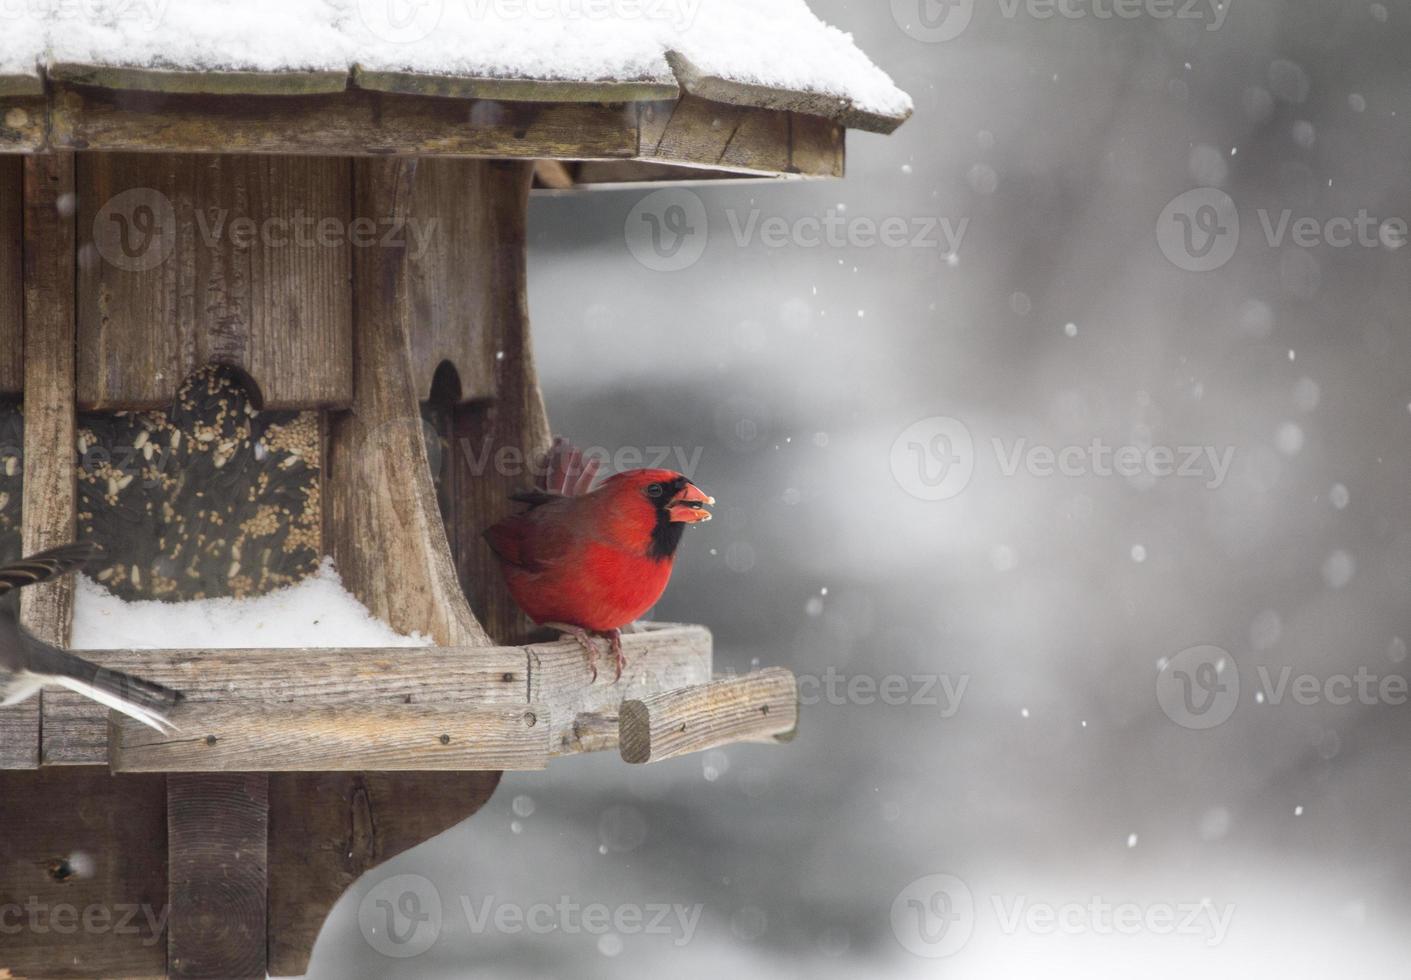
(217, 833)
(49, 461)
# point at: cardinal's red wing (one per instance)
(530, 542)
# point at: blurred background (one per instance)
(881, 424)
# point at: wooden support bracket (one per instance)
(756, 707)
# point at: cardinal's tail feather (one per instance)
(570, 473)
(139, 699)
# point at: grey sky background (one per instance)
(1060, 778)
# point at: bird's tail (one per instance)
(139, 699)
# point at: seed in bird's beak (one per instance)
(689, 506)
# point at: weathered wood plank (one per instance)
(674, 723)
(464, 253)
(328, 829)
(254, 737)
(50, 488)
(244, 261)
(83, 839)
(382, 521)
(353, 123)
(11, 275)
(839, 110)
(513, 89)
(23, 118)
(76, 729)
(817, 147)
(200, 82)
(217, 832)
(658, 660)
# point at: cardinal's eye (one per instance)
(655, 490)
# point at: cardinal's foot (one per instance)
(585, 640)
(615, 645)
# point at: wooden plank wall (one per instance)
(239, 260)
(11, 257)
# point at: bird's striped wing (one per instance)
(44, 566)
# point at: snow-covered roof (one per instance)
(770, 53)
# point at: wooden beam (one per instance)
(352, 123)
(658, 661)
(217, 833)
(381, 519)
(11, 275)
(76, 729)
(514, 89)
(350, 738)
(50, 487)
(285, 83)
(749, 708)
(839, 110)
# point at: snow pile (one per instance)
(253, 35)
(772, 43)
(318, 612)
(21, 41)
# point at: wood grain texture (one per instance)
(199, 82)
(513, 89)
(53, 817)
(50, 487)
(382, 521)
(254, 737)
(658, 660)
(352, 123)
(839, 110)
(76, 729)
(467, 212)
(328, 829)
(189, 260)
(497, 442)
(749, 708)
(11, 275)
(217, 832)
(740, 140)
(661, 658)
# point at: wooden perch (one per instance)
(756, 707)
(379, 682)
(295, 738)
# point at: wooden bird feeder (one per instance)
(295, 397)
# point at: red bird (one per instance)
(585, 561)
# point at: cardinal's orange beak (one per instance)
(689, 506)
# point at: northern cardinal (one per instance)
(27, 663)
(589, 561)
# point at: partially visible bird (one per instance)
(589, 561)
(27, 663)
